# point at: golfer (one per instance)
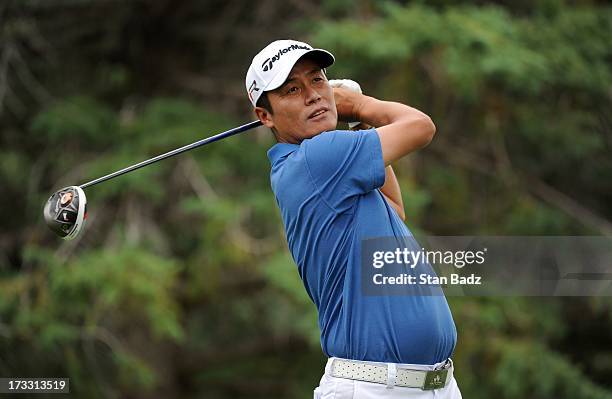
(334, 189)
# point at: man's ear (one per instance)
(265, 117)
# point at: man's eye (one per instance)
(318, 79)
(292, 89)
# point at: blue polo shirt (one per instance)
(327, 191)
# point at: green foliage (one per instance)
(134, 374)
(294, 309)
(507, 342)
(79, 119)
(543, 374)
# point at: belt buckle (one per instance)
(435, 379)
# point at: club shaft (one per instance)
(172, 153)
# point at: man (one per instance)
(335, 189)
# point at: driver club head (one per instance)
(65, 212)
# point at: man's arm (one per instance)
(391, 189)
(402, 129)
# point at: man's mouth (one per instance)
(317, 113)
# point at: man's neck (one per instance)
(286, 140)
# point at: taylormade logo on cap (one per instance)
(269, 62)
(272, 65)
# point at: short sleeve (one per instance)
(344, 164)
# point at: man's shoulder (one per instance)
(317, 150)
(327, 135)
(339, 134)
(281, 152)
(334, 142)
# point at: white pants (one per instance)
(342, 388)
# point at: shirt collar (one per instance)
(280, 150)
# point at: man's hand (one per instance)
(350, 85)
(348, 103)
(347, 84)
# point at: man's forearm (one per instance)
(379, 113)
(402, 129)
(391, 191)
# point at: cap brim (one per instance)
(322, 57)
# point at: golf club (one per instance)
(65, 211)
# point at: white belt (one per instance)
(392, 374)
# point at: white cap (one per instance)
(272, 65)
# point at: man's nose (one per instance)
(311, 95)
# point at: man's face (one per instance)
(303, 106)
